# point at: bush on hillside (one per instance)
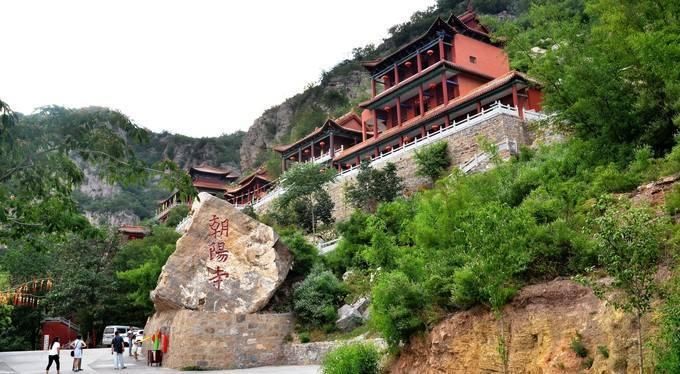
(316, 299)
(305, 255)
(176, 215)
(432, 161)
(355, 358)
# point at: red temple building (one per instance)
(322, 144)
(250, 188)
(130, 232)
(451, 73)
(205, 179)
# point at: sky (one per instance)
(198, 68)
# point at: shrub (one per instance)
(176, 215)
(374, 186)
(357, 358)
(397, 307)
(672, 201)
(603, 350)
(316, 299)
(304, 337)
(578, 347)
(432, 161)
(305, 255)
(587, 363)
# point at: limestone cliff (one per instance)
(337, 93)
(540, 325)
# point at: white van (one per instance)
(110, 331)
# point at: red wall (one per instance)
(467, 83)
(491, 60)
(535, 99)
(57, 329)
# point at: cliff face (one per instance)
(337, 93)
(540, 325)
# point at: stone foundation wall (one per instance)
(463, 146)
(222, 340)
(314, 353)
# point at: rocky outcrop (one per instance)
(539, 327)
(351, 316)
(276, 123)
(226, 262)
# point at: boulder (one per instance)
(351, 316)
(224, 262)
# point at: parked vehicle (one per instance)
(109, 333)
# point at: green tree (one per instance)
(303, 184)
(629, 241)
(316, 298)
(432, 161)
(176, 215)
(667, 346)
(305, 255)
(374, 186)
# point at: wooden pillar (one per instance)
(442, 53)
(396, 74)
(376, 132)
(422, 102)
(445, 88)
(422, 131)
(515, 102)
(311, 151)
(448, 120)
(419, 62)
(332, 140)
(358, 160)
(479, 107)
(401, 141)
(377, 151)
(373, 88)
(283, 164)
(299, 155)
(398, 111)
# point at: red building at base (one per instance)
(62, 328)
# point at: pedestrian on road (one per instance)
(53, 355)
(131, 339)
(78, 346)
(117, 350)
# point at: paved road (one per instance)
(100, 361)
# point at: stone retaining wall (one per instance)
(313, 353)
(222, 340)
(463, 146)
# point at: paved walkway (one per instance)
(100, 361)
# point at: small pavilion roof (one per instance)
(342, 123)
(260, 173)
(131, 229)
(210, 184)
(453, 25)
(470, 96)
(213, 170)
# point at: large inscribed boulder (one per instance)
(224, 262)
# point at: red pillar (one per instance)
(445, 88)
(419, 62)
(479, 107)
(398, 111)
(422, 132)
(373, 88)
(358, 160)
(515, 102)
(453, 51)
(442, 53)
(332, 140)
(422, 102)
(299, 155)
(396, 74)
(376, 132)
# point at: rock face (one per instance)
(540, 324)
(351, 316)
(225, 262)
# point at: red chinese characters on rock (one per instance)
(218, 252)
(218, 277)
(218, 229)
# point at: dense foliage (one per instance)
(316, 299)
(432, 161)
(356, 358)
(374, 186)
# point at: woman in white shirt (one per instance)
(53, 355)
(78, 346)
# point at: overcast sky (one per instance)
(198, 68)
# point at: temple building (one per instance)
(250, 188)
(440, 80)
(205, 179)
(322, 144)
(131, 232)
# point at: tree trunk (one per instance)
(640, 355)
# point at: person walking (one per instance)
(117, 350)
(131, 339)
(53, 355)
(78, 346)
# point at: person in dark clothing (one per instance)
(117, 350)
(53, 355)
